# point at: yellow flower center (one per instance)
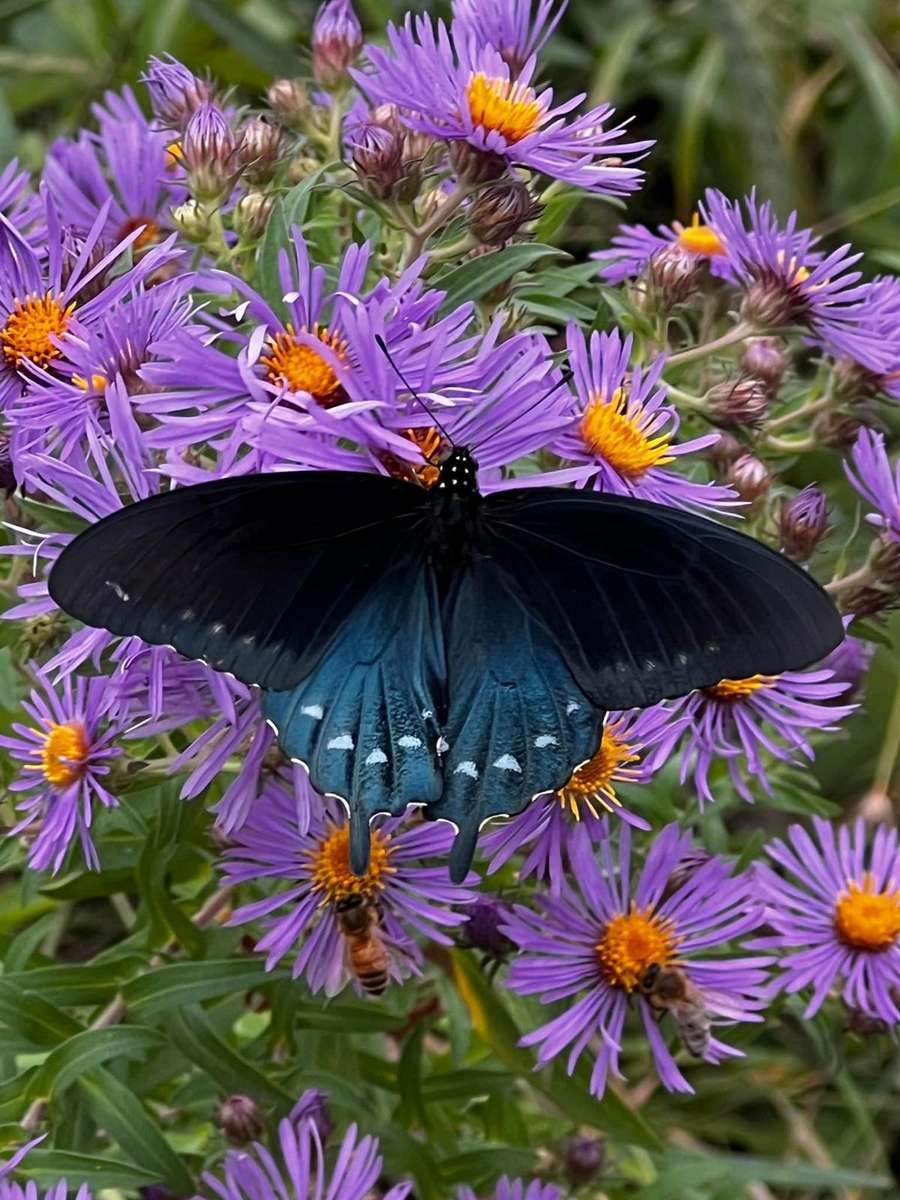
(593, 780)
(96, 383)
(331, 873)
(700, 239)
(510, 109)
(149, 231)
(866, 919)
(631, 943)
(299, 368)
(64, 754)
(609, 432)
(729, 690)
(429, 442)
(30, 328)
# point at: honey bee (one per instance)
(358, 920)
(668, 990)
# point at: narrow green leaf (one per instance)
(51, 516)
(89, 1049)
(49, 1166)
(289, 210)
(347, 1018)
(270, 56)
(477, 278)
(177, 984)
(33, 1015)
(193, 1034)
(78, 984)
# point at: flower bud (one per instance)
(482, 929)
(42, 633)
(191, 221)
(849, 663)
(175, 92)
(852, 382)
(672, 275)
(767, 303)
(156, 1191)
(803, 522)
(749, 476)
(209, 154)
(378, 156)
(836, 430)
(886, 561)
(684, 870)
(8, 481)
(583, 1159)
(290, 102)
(473, 165)
(868, 600)
(240, 1119)
(725, 451)
(259, 150)
(313, 1106)
(741, 401)
(500, 211)
(337, 39)
(301, 167)
(764, 358)
(251, 215)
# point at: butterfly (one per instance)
(439, 646)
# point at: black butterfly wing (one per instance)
(517, 723)
(366, 722)
(646, 602)
(253, 574)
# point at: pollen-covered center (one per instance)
(593, 781)
(610, 432)
(149, 231)
(31, 327)
(729, 690)
(430, 444)
(632, 942)
(503, 106)
(330, 863)
(700, 239)
(300, 368)
(64, 754)
(865, 918)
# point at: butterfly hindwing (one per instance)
(646, 602)
(365, 723)
(253, 574)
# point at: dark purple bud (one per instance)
(803, 522)
(8, 481)
(886, 561)
(849, 661)
(475, 166)
(852, 382)
(313, 1106)
(584, 1159)
(767, 303)
(175, 92)
(290, 102)
(725, 451)
(259, 149)
(764, 358)
(337, 39)
(156, 1191)
(240, 1119)
(868, 600)
(378, 150)
(836, 430)
(672, 275)
(209, 154)
(500, 211)
(749, 476)
(482, 930)
(741, 401)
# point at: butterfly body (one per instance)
(440, 646)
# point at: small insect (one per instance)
(668, 990)
(367, 958)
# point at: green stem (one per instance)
(688, 399)
(791, 446)
(890, 748)
(810, 408)
(847, 582)
(435, 222)
(739, 334)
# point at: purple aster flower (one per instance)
(787, 280)
(835, 911)
(600, 943)
(877, 481)
(42, 299)
(7, 1167)
(747, 721)
(465, 93)
(255, 1174)
(209, 154)
(126, 166)
(849, 662)
(65, 755)
(311, 873)
(803, 522)
(544, 830)
(620, 423)
(517, 1189)
(19, 204)
(175, 92)
(16, 1191)
(635, 248)
(515, 28)
(337, 39)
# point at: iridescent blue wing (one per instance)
(366, 722)
(645, 602)
(253, 574)
(517, 722)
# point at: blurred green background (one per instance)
(800, 97)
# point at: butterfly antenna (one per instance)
(382, 346)
(567, 375)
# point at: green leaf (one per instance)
(271, 57)
(49, 1166)
(89, 1049)
(173, 986)
(680, 1169)
(193, 1034)
(347, 1018)
(51, 517)
(34, 1016)
(81, 984)
(117, 1110)
(289, 210)
(482, 275)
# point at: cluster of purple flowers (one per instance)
(140, 350)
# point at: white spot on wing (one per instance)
(377, 757)
(467, 768)
(426, 713)
(312, 710)
(408, 742)
(120, 591)
(442, 745)
(343, 742)
(572, 707)
(506, 762)
(545, 739)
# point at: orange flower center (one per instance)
(632, 942)
(502, 106)
(866, 919)
(429, 442)
(331, 873)
(611, 433)
(149, 233)
(63, 755)
(700, 239)
(593, 780)
(300, 368)
(31, 327)
(729, 690)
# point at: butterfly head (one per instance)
(459, 472)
